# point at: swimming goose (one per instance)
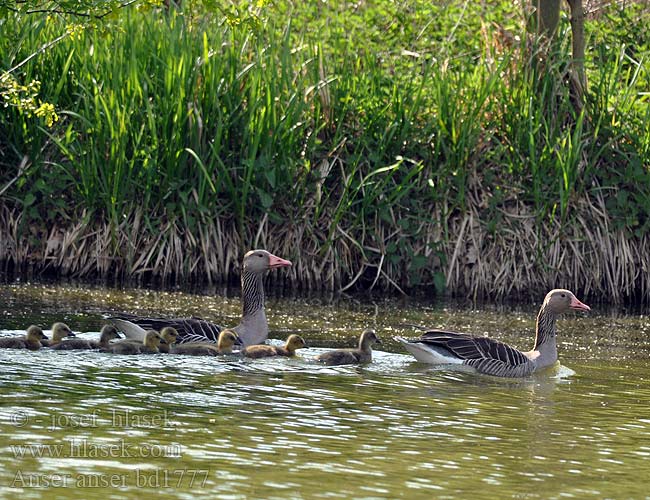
(169, 336)
(59, 332)
(363, 354)
(264, 351)
(491, 357)
(31, 340)
(108, 333)
(253, 328)
(128, 346)
(227, 340)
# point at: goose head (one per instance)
(228, 339)
(368, 338)
(258, 261)
(169, 335)
(35, 335)
(61, 331)
(295, 342)
(559, 301)
(152, 339)
(109, 332)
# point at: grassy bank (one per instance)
(375, 144)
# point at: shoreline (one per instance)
(521, 259)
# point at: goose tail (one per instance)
(428, 354)
(130, 330)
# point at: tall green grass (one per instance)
(362, 138)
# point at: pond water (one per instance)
(93, 425)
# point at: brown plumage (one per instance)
(32, 340)
(59, 332)
(264, 351)
(227, 339)
(169, 336)
(108, 333)
(363, 354)
(150, 346)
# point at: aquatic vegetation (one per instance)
(375, 145)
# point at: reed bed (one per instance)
(439, 155)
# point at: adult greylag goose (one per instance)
(108, 333)
(253, 328)
(227, 340)
(31, 340)
(59, 332)
(264, 351)
(363, 354)
(128, 346)
(491, 357)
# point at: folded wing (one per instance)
(473, 349)
(189, 329)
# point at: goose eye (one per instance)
(563, 295)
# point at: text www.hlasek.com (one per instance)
(82, 448)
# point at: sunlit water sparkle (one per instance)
(193, 427)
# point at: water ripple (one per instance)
(292, 428)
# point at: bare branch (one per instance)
(62, 11)
(21, 170)
(43, 48)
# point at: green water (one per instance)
(92, 425)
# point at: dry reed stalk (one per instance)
(523, 256)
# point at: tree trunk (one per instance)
(578, 42)
(547, 17)
(543, 19)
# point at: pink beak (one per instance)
(579, 306)
(278, 262)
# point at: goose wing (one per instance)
(474, 349)
(189, 329)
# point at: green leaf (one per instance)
(418, 262)
(29, 199)
(266, 199)
(440, 282)
(270, 176)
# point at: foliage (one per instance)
(366, 128)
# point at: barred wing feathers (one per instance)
(483, 353)
(189, 329)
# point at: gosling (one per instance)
(264, 351)
(363, 354)
(59, 332)
(108, 333)
(150, 345)
(169, 335)
(227, 339)
(32, 340)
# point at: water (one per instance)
(92, 425)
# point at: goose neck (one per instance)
(252, 293)
(224, 349)
(364, 344)
(545, 338)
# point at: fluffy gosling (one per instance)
(363, 354)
